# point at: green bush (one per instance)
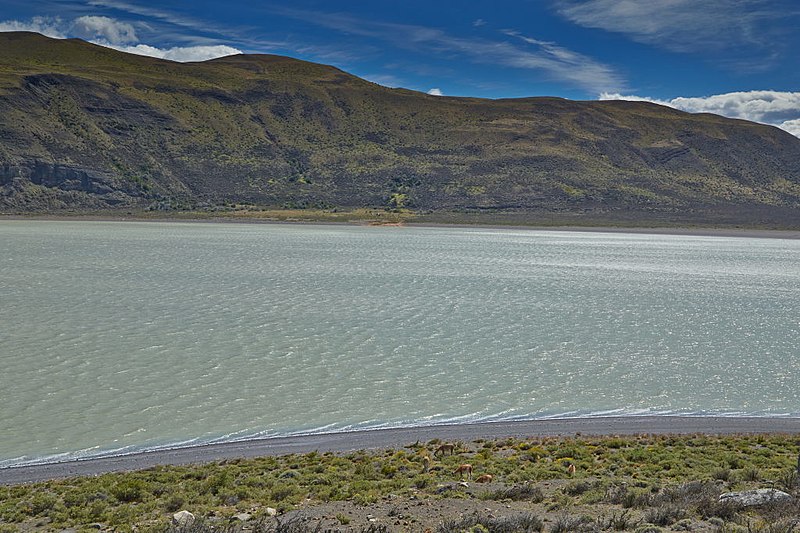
(128, 490)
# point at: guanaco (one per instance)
(485, 478)
(445, 449)
(465, 468)
(426, 463)
(571, 469)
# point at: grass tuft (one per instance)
(517, 493)
(520, 523)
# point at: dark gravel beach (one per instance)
(393, 438)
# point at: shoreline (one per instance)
(349, 441)
(689, 231)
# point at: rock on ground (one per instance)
(752, 498)
(183, 518)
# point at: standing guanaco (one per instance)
(445, 449)
(426, 463)
(465, 468)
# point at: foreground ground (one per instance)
(637, 483)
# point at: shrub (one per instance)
(565, 523)
(421, 481)
(665, 515)
(283, 492)
(751, 474)
(712, 508)
(41, 503)
(694, 493)
(577, 488)
(789, 480)
(128, 491)
(517, 493)
(723, 474)
(522, 523)
(618, 522)
(293, 525)
(174, 503)
(777, 511)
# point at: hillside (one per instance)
(86, 127)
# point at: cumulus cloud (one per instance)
(50, 26)
(109, 30)
(116, 34)
(776, 108)
(182, 54)
(792, 126)
(435, 92)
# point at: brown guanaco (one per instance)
(445, 449)
(465, 468)
(485, 478)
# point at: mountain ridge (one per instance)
(87, 127)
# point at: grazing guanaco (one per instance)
(445, 449)
(485, 478)
(465, 468)
(571, 469)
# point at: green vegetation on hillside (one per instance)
(86, 127)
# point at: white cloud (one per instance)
(153, 12)
(563, 63)
(119, 35)
(478, 23)
(549, 59)
(682, 25)
(792, 126)
(632, 98)
(776, 108)
(435, 92)
(50, 26)
(109, 30)
(182, 54)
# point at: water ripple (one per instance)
(118, 337)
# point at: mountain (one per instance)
(86, 127)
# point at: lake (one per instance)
(126, 336)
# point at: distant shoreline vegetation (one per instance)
(705, 225)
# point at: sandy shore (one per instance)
(697, 231)
(395, 438)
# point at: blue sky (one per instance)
(737, 58)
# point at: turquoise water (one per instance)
(122, 336)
